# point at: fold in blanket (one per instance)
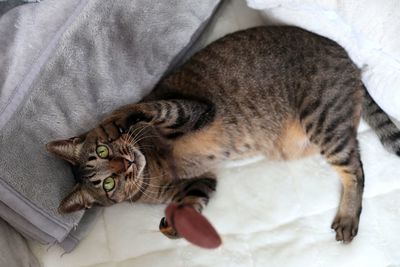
(7, 5)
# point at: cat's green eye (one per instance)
(108, 184)
(102, 151)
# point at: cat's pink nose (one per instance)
(119, 165)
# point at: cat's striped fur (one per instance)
(280, 91)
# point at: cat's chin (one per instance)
(140, 161)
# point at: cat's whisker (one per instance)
(129, 137)
(137, 140)
(130, 200)
(136, 132)
(145, 146)
(150, 192)
(143, 191)
(153, 186)
(131, 132)
(141, 130)
(136, 183)
(157, 178)
(141, 147)
(150, 188)
(144, 137)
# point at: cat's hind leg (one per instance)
(332, 126)
(343, 155)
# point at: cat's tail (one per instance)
(380, 122)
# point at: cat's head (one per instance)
(107, 172)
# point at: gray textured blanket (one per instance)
(64, 65)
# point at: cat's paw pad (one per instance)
(346, 227)
(167, 229)
(192, 225)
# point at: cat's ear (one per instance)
(66, 149)
(79, 199)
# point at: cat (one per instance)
(277, 90)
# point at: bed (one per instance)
(276, 213)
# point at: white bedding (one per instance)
(269, 213)
(368, 29)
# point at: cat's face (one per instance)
(107, 172)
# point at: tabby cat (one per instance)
(280, 91)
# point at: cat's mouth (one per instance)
(127, 163)
(136, 159)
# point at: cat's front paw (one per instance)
(346, 227)
(111, 129)
(121, 122)
(168, 230)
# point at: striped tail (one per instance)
(380, 122)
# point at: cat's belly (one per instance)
(214, 145)
(292, 143)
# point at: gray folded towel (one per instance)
(14, 250)
(6, 5)
(64, 65)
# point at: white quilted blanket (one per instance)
(278, 213)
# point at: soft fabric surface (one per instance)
(14, 250)
(368, 29)
(7, 5)
(64, 65)
(268, 213)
